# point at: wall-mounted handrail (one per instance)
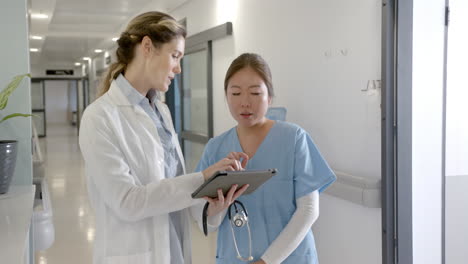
(365, 191)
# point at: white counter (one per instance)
(16, 209)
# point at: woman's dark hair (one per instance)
(256, 63)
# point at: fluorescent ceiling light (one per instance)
(115, 39)
(36, 37)
(86, 58)
(77, 64)
(98, 50)
(33, 50)
(39, 16)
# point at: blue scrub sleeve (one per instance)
(311, 171)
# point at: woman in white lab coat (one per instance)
(132, 154)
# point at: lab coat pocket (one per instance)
(142, 258)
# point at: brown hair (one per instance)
(159, 27)
(256, 63)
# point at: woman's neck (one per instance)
(250, 138)
(134, 77)
(265, 124)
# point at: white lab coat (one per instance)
(124, 162)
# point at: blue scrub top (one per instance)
(301, 170)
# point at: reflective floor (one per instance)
(73, 217)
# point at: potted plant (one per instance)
(8, 148)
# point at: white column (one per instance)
(456, 196)
(427, 127)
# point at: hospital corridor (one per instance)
(233, 131)
(73, 218)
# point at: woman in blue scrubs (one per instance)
(282, 211)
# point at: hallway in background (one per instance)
(73, 218)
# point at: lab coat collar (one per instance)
(123, 94)
(117, 95)
(133, 96)
(120, 100)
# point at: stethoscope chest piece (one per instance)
(239, 220)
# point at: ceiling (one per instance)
(75, 28)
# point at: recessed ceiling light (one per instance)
(39, 16)
(33, 50)
(77, 64)
(86, 58)
(115, 39)
(98, 50)
(36, 37)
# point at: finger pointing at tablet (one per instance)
(240, 156)
(226, 164)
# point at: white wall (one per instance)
(15, 58)
(456, 203)
(96, 70)
(322, 53)
(427, 108)
(457, 92)
(14, 55)
(56, 97)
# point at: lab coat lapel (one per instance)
(150, 126)
(145, 119)
(121, 100)
(147, 125)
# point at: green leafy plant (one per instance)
(7, 91)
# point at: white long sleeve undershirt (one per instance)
(306, 214)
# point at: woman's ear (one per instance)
(146, 46)
(270, 100)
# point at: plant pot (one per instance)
(8, 151)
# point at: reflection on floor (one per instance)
(73, 217)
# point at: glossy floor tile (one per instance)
(72, 215)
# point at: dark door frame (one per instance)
(397, 64)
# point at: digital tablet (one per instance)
(225, 179)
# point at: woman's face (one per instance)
(164, 63)
(247, 97)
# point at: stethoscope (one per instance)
(239, 220)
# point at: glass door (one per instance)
(38, 106)
(197, 105)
